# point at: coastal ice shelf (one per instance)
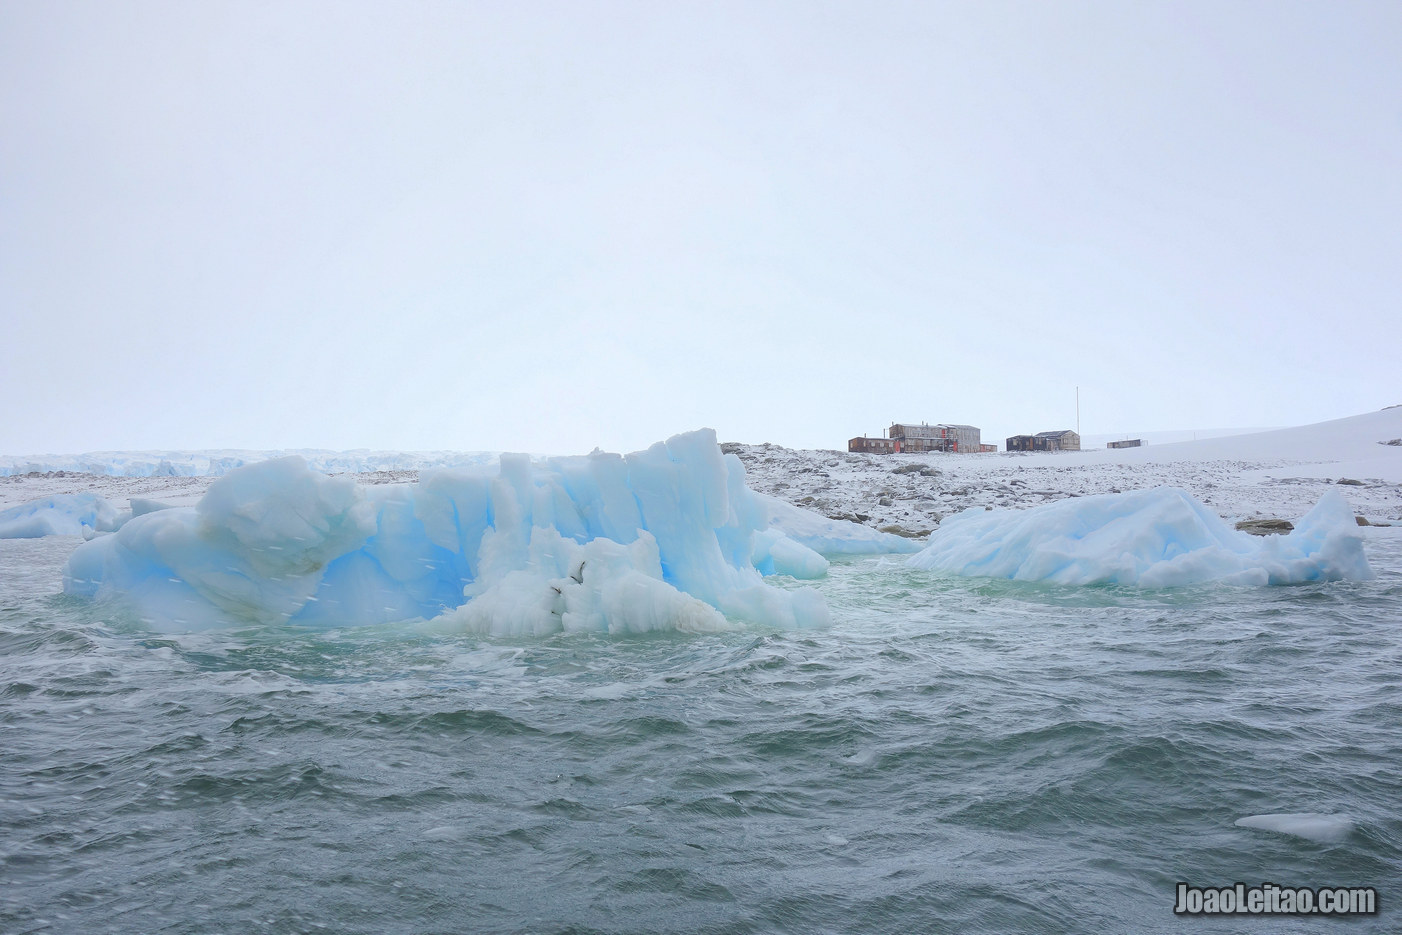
(1160, 537)
(667, 538)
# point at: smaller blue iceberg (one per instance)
(1154, 538)
(73, 514)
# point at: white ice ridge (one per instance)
(1153, 538)
(667, 538)
(1327, 829)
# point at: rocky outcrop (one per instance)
(1266, 527)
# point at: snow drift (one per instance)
(1153, 538)
(667, 538)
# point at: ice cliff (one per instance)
(667, 538)
(1160, 537)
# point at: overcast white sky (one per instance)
(551, 226)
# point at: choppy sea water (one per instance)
(952, 755)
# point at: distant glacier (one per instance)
(220, 461)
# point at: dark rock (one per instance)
(884, 501)
(1265, 527)
(1349, 481)
(906, 533)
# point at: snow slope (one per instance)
(1352, 447)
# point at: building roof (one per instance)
(1055, 433)
(934, 425)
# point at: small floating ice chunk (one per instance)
(442, 833)
(776, 554)
(72, 514)
(830, 536)
(1327, 829)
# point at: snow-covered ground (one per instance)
(1280, 473)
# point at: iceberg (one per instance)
(667, 538)
(1154, 538)
(74, 514)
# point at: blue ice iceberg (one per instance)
(1152, 538)
(667, 538)
(72, 514)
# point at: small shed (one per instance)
(1057, 440)
(882, 446)
(1060, 440)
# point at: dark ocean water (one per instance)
(950, 756)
